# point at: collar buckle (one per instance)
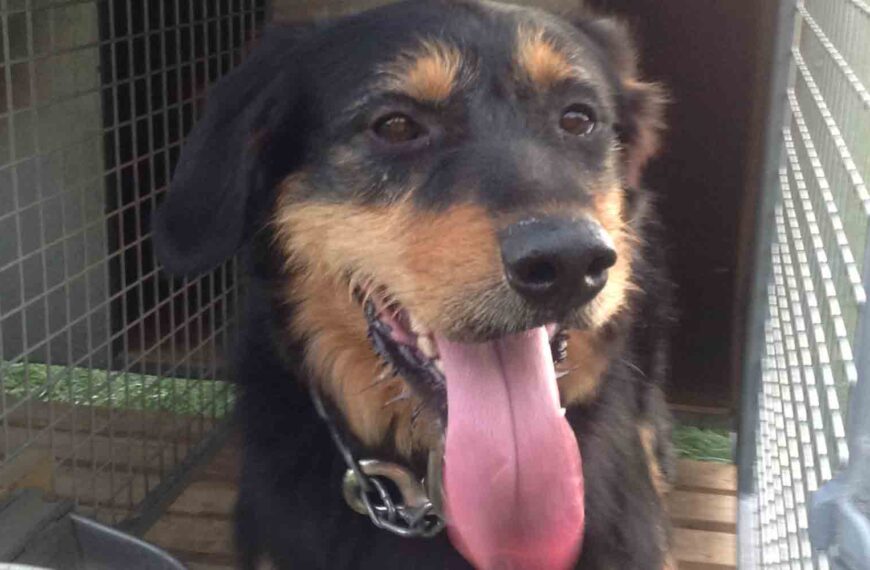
(413, 516)
(417, 515)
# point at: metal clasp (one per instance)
(412, 491)
(366, 493)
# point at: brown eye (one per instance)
(578, 120)
(397, 128)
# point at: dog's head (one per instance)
(452, 189)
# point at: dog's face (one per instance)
(442, 182)
(468, 173)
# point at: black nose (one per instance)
(556, 262)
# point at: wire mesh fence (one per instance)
(109, 370)
(816, 296)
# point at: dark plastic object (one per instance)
(104, 548)
(48, 535)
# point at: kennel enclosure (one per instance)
(112, 374)
(110, 371)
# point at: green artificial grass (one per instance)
(702, 444)
(113, 389)
(132, 391)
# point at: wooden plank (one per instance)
(119, 489)
(89, 419)
(100, 449)
(33, 468)
(208, 566)
(192, 534)
(707, 477)
(703, 416)
(199, 521)
(201, 561)
(705, 550)
(702, 511)
(211, 498)
(225, 465)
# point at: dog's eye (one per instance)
(578, 120)
(397, 128)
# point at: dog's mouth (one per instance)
(512, 478)
(410, 351)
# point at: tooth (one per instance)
(562, 412)
(388, 372)
(562, 373)
(439, 365)
(427, 346)
(417, 327)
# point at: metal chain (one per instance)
(366, 493)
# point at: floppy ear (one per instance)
(641, 104)
(228, 168)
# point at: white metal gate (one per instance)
(805, 456)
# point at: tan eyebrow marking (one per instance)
(538, 58)
(430, 73)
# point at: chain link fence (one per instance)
(813, 271)
(109, 370)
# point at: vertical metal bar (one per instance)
(224, 285)
(72, 460)
(859, 417)
(158, 336)
(16, 191)
(116, 40)
(763, 237)
(91, 437)
(38, 204)
(134, 154)
(214, 291)
(189, 282)
(7, 79)
(173, 310)
(4, 405)
(198, 400)
(140, 196)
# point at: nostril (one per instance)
(601, 263)
(538, 273)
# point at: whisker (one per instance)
(633, 366)
(405, 394)
(415, 414)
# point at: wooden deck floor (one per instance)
(703, 506)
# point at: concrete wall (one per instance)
(53, 252)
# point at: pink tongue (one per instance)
(512, 479)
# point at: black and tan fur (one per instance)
(282, 165)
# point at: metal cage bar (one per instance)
(109, 369)
(803, 474)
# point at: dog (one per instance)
(457, 307)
